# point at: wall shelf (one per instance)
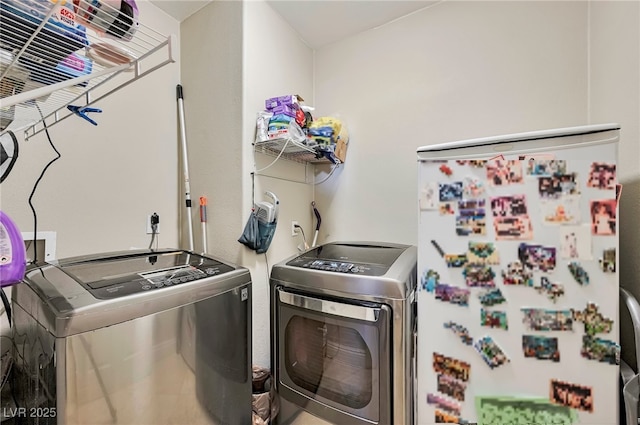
(287, 148)
(38, 78)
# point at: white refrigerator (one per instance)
(518, 279)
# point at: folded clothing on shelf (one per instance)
(59, 37)
(112, 18)
(72, 66)
(290, 100)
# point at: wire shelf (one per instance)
(49, 61)
(290, 149)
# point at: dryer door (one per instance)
(334, 357)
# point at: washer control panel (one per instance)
(115, 286)
(174, 276)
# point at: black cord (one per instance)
(7, 305)
(33, 191)
(154, 230)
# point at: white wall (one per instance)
(98, 194)
(211, 64)
(235, 55)
(614, 88)
(275, 62)
(615, 97)
(109, 178)
(453, 71)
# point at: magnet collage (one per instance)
(496, 208)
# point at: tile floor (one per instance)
(308, 419)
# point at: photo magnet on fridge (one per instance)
(494, 319)
(455, 260)
(603, 217)
(452, 294)
(473, 187)
(516, 274)
(537, 257)
(477, 163)
(557, 185)
(429, 196)
(452, 367)
(509, 206)
(483, 253)
(471, 225)
(478, 275)
(575, 242)
(594, 322)
(600, 350)
(449, 192)
(562, 210)
(460, 331)
(446, 170)
(553, 291)
(522, 411)
(579, 273)
(608, 261)
(602, 176)
(571, 395)
(446, 418)
(540, 319)
(429, 280)
(541, 347)
(491, 297)
(444, 403)
(451, 387)
(544, 167)
(501, 172)
(491, 352)
(447, 208)
(510, 218)
(472, 204)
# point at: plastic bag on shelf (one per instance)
(330, 136)
(262, 126)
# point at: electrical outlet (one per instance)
(149, 229)
(294, 231)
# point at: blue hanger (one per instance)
(80, 111)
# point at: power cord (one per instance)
(6, 304)
(155, 220)
(33, 191)
(304, 239)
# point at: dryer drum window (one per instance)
(332, 361)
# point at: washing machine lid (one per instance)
(118, 275)
(81, 294)
(362, 258)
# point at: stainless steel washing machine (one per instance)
(135, 337)
(343, 326)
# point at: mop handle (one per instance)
(203, 220)
(185, 163)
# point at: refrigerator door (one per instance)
(517, 298)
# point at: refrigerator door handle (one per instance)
(350, 311)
